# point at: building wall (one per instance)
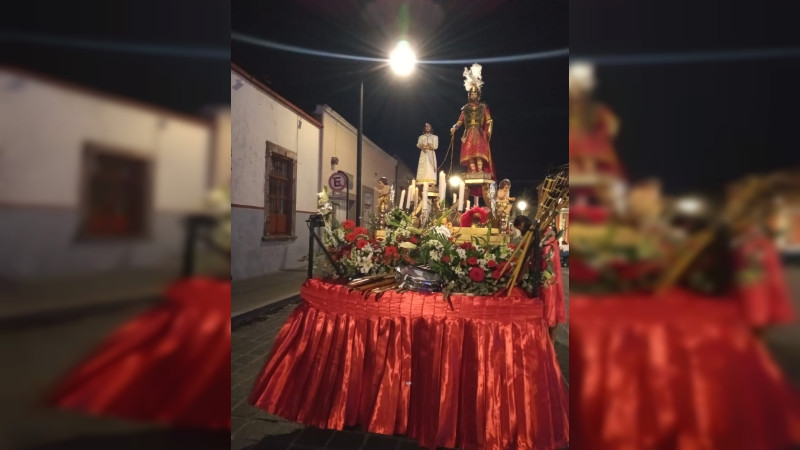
(258, 117)
(340, 139)
(44, 127)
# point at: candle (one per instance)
(425, 196)
(455, 198)
(461, 196)
(442, 186)
(467, 204)
(476, 200)
(402, 198)
(410, 194)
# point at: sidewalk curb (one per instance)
(54, 317)
(254, 315)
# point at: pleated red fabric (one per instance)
(765, 301)
(480, 376)
(675, 372)
(171, 365)
(553, 297)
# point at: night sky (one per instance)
(185, 84)
(695, 125)
(527, 99)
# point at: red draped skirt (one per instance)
(677, 372)
(482, 375)
(171, 365)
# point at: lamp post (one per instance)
(402, 61)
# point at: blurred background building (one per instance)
(94, 182)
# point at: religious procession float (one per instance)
(668, 300)
(434, 320)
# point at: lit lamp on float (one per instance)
(522, 205)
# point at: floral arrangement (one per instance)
(470, 267)
(613, 258)
(475, 216)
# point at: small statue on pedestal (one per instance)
(384, 201)
(504, 203)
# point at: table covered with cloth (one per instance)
(679, 371)
(481, 373)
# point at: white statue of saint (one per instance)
(427, 143)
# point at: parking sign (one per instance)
(338, 181)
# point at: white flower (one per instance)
(459, 270)
(443, 230)
(435, 256)
(461, 253)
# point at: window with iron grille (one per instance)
(280, 188)
(115, 194)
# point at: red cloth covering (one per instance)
(171, 365)
(679, 371)
(555, 304)
(483, 375)
(766, 301)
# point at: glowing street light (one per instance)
(402, 59)
(522, 205)
(455, 181)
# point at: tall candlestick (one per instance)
(461, 196)
(442, 186)
(455, 198)
(410, 194)
(402, 199)
(425, 196)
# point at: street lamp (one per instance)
(402, 61)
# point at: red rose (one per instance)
(390, 250)
(349, 224)
(476, 274)
(414, 240)
(473, 261)
(512, 246)
(399, 238)
(465, 245)
(445, 259)
(492, 264)
(351, 236)
(361, 243)
(496, 274)
(361, 230)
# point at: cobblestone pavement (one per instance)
(254, 429)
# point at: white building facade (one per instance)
(339, 151)
(92, 182)
(275, 167)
